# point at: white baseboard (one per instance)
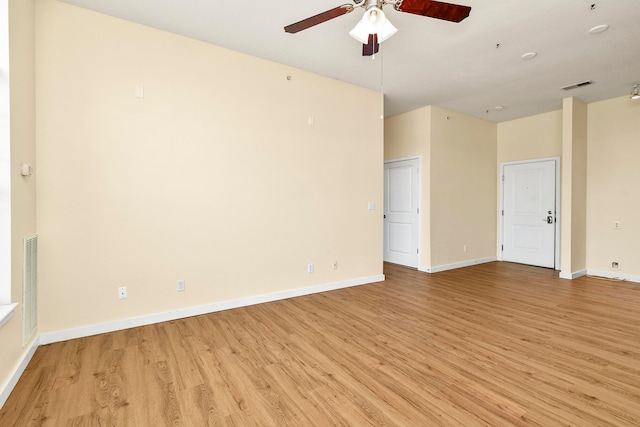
(612, 275)
(574, 275)
(17, 373)
(116, 325)
(85, 331)
(446, 267)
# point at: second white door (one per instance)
(401, 194)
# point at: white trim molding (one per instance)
(402, 159)
(557, 214)
(132, 322)
(85, 331)
(462, 264)
(418, 232)
(6, 311)
(7, 388)
(612, 275)
(574, 275)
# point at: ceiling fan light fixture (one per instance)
(635, 92)
(373, 22)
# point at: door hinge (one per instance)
(502, 248)
(417, 250)
(418, 210)
(502, 212)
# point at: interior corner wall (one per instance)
(408, 135)
(612, 196)
(458, 186)
(23, 194)
(573, 240)
(210, 173)
(463, 172)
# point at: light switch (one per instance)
(371, 205)
(139, 91)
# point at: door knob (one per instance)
(549, 219)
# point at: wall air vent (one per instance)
(577, 85)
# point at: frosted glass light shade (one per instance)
(373, 22)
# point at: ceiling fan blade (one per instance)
(319, 18)
(372, 47)
(434, 9)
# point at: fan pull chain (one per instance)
(382, 82)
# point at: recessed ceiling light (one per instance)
(498, 107)
(599, 28)
(529, 55)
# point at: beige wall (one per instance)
(573, 232)
(215, 177)
(23, 199)
(407, 135)
(613, 175)
(463, 188)
(533, 137)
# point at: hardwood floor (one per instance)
(495, 344)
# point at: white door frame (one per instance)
(557, 213)
(419, 159)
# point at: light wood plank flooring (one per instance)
(497, 344)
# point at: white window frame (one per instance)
(6, 307)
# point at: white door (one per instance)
(529, 213)
(401, 212)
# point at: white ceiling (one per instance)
(428, 61)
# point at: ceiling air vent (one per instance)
(577, 85)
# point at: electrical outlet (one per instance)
(464, 248)
(180, 285)
(122, 292)
(616, 225)
(335, 265)
(310, 268)
(615, 265)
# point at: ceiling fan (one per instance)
(374, 27)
